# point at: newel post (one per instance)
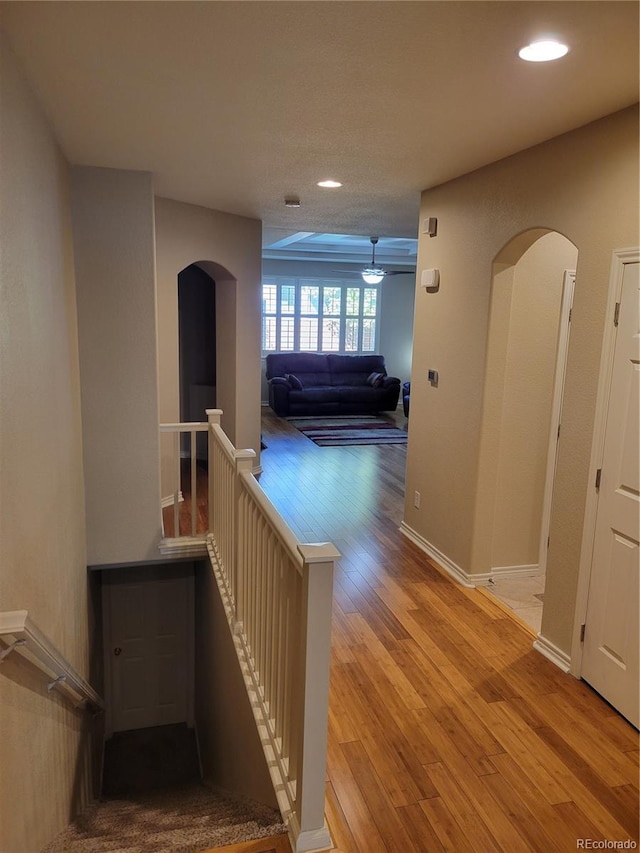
(311, 833)
(213, 417)
(244, 464)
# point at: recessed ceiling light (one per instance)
(329, 184)
(543, 51)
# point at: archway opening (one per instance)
(528, 333)
(196, 342)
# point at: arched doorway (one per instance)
(528, 332)
(196, 346)
(199, 347)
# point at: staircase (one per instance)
(154, 802)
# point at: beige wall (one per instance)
(532, 332)
(115, 271)
(42, 525)
(583, 185)
(229, 249)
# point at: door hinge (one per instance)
(598, 477)
(616, 314)
(570, 313)
(559, 425)
(548, 542)
(582, 630)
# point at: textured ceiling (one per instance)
(234, 105)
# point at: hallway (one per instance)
(447, 731)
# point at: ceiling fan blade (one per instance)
(358, 272)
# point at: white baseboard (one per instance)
(169, 500)
(451, 568)
(516, 571)
(184, 546)
(553, 653)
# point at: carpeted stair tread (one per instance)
(173, 820)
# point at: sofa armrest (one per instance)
(279, 395)
(280, 380)
(390, 381)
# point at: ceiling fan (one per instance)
(374, 273)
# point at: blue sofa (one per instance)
(307, 383)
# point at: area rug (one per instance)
(345, 431)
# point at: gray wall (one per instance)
(44, 751)
(113, 228)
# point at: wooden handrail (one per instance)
(22, 636)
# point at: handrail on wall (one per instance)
(21, 634)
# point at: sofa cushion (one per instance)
(300, 363)
(358, 394)
(319, 394)
(354, 366)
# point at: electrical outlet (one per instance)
(416, 500)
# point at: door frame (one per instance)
(620, 258)
(144, 572)
(564, 330)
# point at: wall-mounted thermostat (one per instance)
(430, 280)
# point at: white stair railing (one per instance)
(21, 635)
(277, 595)
(193, 540)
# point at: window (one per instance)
(319, 315)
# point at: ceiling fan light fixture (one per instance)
(372, 276)
(545, 50)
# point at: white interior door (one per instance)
(147, 649)
(610, 655)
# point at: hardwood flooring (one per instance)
(447, 731)
(184, 507)
(275, 844)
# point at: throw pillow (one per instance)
(293, 380)
(375, 379)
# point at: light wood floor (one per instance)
(275, 844)
(184, 507)
(447, 731)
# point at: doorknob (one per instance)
(117, 651)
